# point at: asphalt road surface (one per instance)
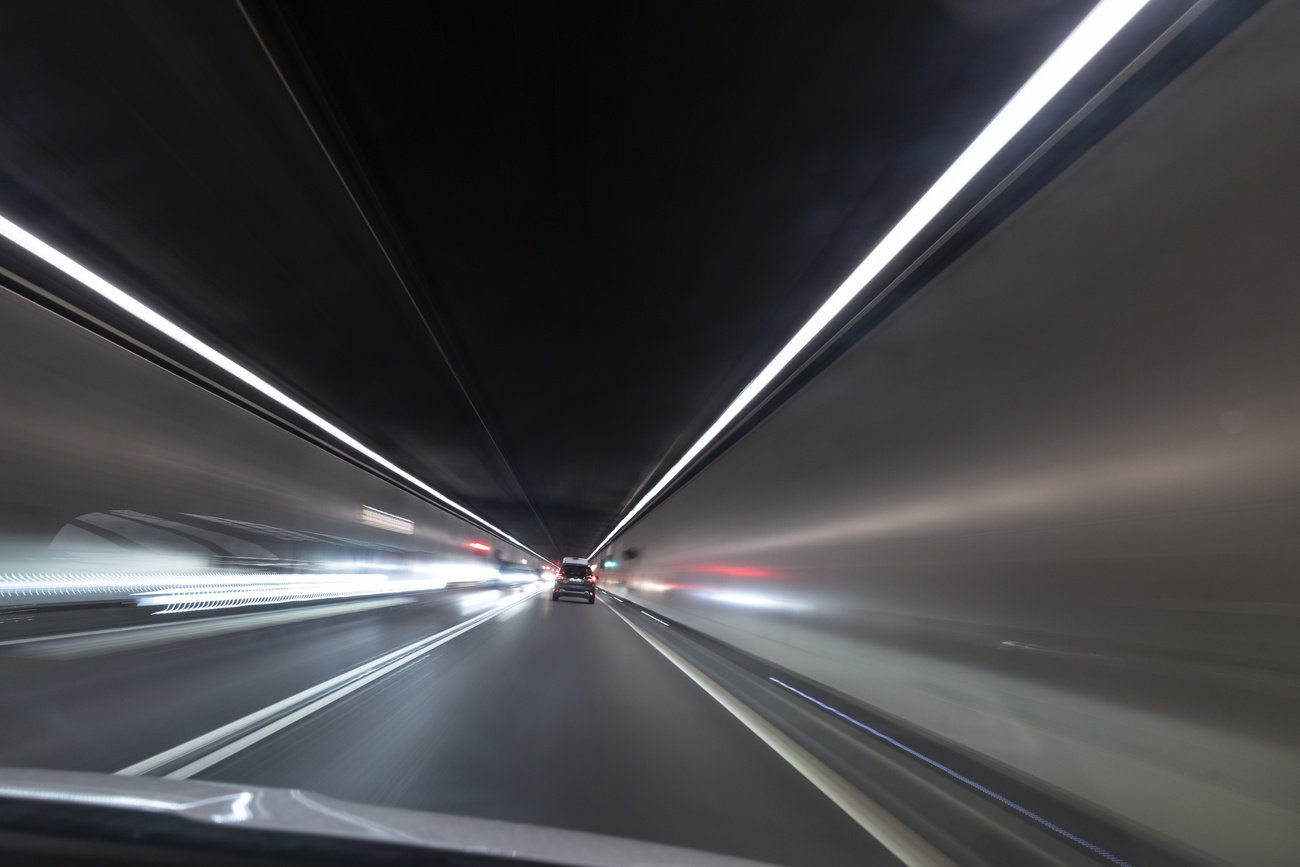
(550, 713)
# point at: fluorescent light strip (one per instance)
(1093, 33)
(111, 293)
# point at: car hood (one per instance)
(299, 812)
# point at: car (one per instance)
(575, 579)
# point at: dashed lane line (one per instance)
(206, 750)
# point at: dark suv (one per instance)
(575, 580)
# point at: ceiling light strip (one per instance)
(1093, 34)
(151, 317)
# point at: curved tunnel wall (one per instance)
(104, 453)
(1050, 509)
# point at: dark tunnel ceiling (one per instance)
(608, 214)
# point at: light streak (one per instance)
(250, 729)
(276, 593)
(475, 602)
(372, 517)
(719, 569)
(752, 600)
(157, 321)
(191, 591)
(1093, 33)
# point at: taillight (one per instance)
(591, 577)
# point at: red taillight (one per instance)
(591, 577)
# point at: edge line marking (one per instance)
(902, 841)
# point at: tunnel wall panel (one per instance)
(1050, 509)
(89, 429)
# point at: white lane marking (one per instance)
(655, 619)
(902, 841)
(318, 696)
(77, 644)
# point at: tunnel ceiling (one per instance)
(548, 242)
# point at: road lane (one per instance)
(556, 713)
(107, 710)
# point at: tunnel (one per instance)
(625, 433)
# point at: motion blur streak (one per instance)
(145, 314)
(950, 772)
(1090, 37)
(372, 517)
(1008, 570)
(902, 841)
(279, 716)
(193, 592)
(97, 641)
(218, 590)
(1049, 509)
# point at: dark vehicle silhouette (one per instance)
(575, 579)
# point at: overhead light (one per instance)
(1093, 33)
(151, 317)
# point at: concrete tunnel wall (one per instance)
(1050, 509)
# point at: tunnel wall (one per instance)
(89, 429)
(1049, 511)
